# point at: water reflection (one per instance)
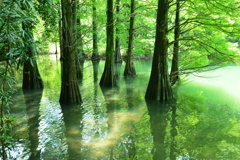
(117, 123)
(32, 101)
(120, 142)
(52, 140)
(131, 144)
(159, 118)
(73, 116)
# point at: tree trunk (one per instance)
(108, 79)
(80, 49)
(80, 56)
(130, 69)
(95, 55)
(159, 87)
(77, 40)
(70, 92)
(174, 75)
(31, 75)
(117, 55)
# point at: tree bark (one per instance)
(70, 92)
(95, 55)
(129, 68)
(117, 55)
(174, 75)
(108, 79)
(159, 87)
(31, 75)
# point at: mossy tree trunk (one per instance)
(174, 75)
(108, 79)
(70, 92)
(95, 55)
(129, 68)
(117, 53)
(159, 87)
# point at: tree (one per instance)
(77, 43)
(70, 92)
(117, 55)
(31, 75)
(174, 74)
(203, 33)
(108, 79)
(95, 55)
(129, 68)
(159, 86)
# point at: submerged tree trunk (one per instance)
(95, 55)
(70, 92)
(174, 75)
(117, 54)
(108, 79)
(159, 87)
(129, 68)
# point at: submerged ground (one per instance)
(203, 122)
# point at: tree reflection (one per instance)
(110, 104)
(73, 122)
(131, 146)
(159, 119)
(32, 101)
(119, 141)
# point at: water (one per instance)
(203, 123)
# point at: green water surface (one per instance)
(202, 123)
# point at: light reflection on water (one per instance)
(118, 124)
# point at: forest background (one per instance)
(199, 35)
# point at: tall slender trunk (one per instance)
(70, 92)
(129, 68)
(108, 79)
(117, 54)
(76, 39)
(95, 55)
(80, 51)
(159, 87)
(174, 75)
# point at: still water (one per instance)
(203, 123)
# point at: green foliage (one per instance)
(17, 19)
(14, 39)
(6, 90)
(47, 30)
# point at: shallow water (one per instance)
(117, 123)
